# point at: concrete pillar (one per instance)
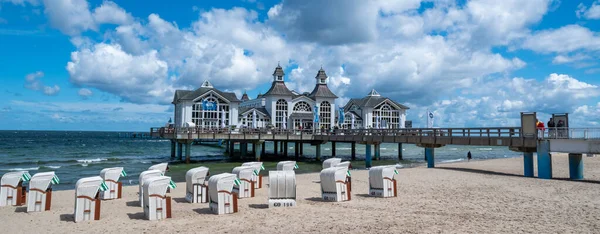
(262, 149)
(285, 149)
(296, 150)
(368, 155)
(575, 167)
(301, 149)
(544, 160)
(173, 148)
(188, 151)
(281, 147)
(226, 147)
(318, 153)
(243, 149)
(257, 151)
(353, 153)
(275, 148)
(180, 151)
(231, 148)
(333, 149)
(400, 152)
(377, 151)
(430, 156)
(253, 148)
(528, 164)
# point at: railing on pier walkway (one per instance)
(572, 133)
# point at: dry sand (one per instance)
(470, 197)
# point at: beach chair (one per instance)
(286, 166)
(111, 178)
(246, 186)
(40, 191)
(144, 176)
(348, 166)
(258, 166)
(157, 205)
(12, 190)
(196, 187)
(331, 162)
(87, 198)
(162, 167)
(282, 189)
(382, 182)
(222, 199)
(333, 184)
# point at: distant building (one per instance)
(374, 109)
(204, 107)
(281, 106)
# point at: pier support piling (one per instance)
(399, 151)
(333, 149)
(173, 149)
(368, 155)
(353, 153)
(257, 151)
(281, 146)
(528, 164)
(188, 152)
(377, 152)
(575, 167)
(275, 145)
(285, 149)
(296, 150)
(180, 151)
(243, 150)
(301, 149)
(262, 149)
(544, 160)
(227, 147)
(430, 156)
(231, 148)
(318, 152)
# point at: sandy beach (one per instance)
(469, 197)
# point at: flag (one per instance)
(172, 184)
(255, 172)
(284, 122)
(26, 176)
(254, 118)
(296, 166)
(352, 127)
(55, 180)
(348, 173)
(237, 182)
(206, 105)
(262, 167)
(377, 122)
(429, 119)
(341, 117)
(123, 173)
(316, 113)
(396, 172)
(223, 118)
(103, 186)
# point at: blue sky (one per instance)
(113, 65)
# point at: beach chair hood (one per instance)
(111, 174)
(244, 172)
(282, 185)
(88, 186)
(41, 180)
(256, 165)
(344, 165)
(12, 178)
(329, 176)
(331, 162)
(195, 176)
(156, 186)
(161, 167)
(220, 182)
(286, 165)
(378, 173)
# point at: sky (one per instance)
(114, 65)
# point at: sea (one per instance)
(76, 154)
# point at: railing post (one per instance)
(585, 134)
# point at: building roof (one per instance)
(321, 90)
(371, 100)
(191, 95)
(261, 110)
(278, 71)
(179, 94)
(245, 97)
(278, 88)
(321, 74)
(357, 116)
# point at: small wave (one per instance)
(383, 148)
(343, 148)
(453, 149)
(22, 169)
(84, 164)
(87, 161)
(53, 167)
(453, 160)
(485, 149)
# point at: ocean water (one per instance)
(73, 155)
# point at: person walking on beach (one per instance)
(469, 156)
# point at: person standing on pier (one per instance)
(541, 128)
(551, 128)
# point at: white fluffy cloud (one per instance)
(85, 93)
(593, 12)
(33, 82)
(69, 16)
(563, 40)
(109, 12)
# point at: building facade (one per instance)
(205, 107)
(374, 111)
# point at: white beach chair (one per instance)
(222, 199)
(286, 166)
(162, 167)
(196, 187)
(333, 184)
(382, 182)
(348, 166)
(12, 190)
(246, 185)
(87, 199)
(157, 205)
(258, 166)
(111, 178)
(331, 162)
(144, 176)
(282, 189)
(40, 191)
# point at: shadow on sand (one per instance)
(67, 218)
(485, 172)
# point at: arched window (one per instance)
(210, 118)
(389, 117)
(302, 107)
(325, 115)
(281, 108)
(348, 121)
